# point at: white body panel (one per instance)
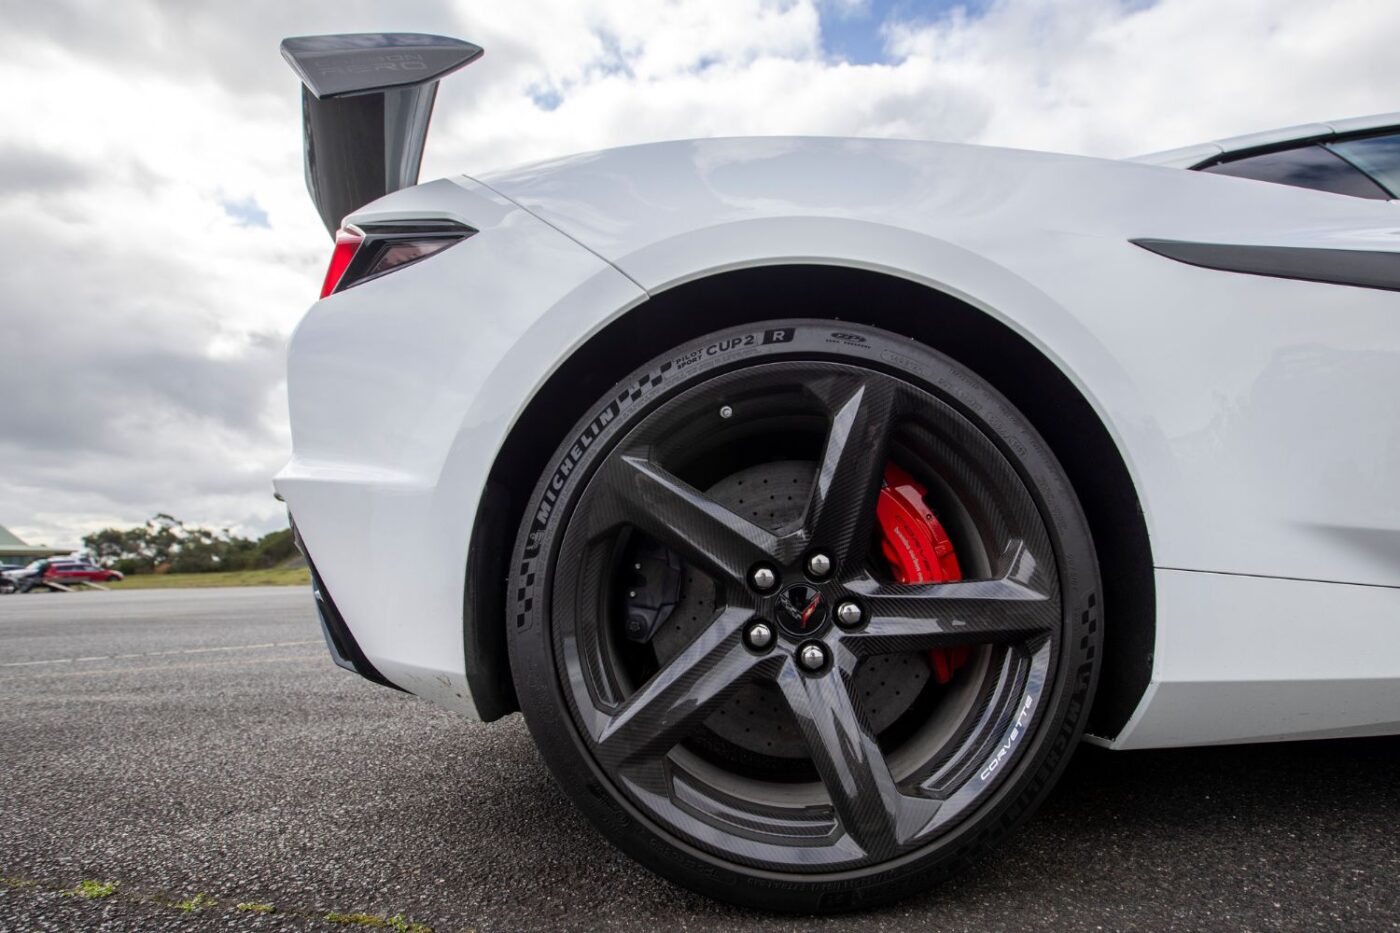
(401, 391)
(1258, 417)
(1229, 667)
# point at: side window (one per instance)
(1377, 156)
(1305, 167)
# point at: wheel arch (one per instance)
(1006, 359)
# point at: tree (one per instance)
(164, 543)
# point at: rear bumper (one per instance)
(401, 391)
(345, 651)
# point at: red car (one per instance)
(73, 571)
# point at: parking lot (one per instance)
(188, 743)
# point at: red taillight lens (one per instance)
(347, 242)
(369, 251)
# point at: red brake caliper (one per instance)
(918, 549)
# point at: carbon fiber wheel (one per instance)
(712, 649)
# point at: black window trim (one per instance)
(1318, 139)
(1324, 140)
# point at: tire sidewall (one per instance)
(1042, 755)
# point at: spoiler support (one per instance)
(366, 102)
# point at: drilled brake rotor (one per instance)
(755, 719)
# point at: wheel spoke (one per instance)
(677, 698)
(841, 512)
(649, 497)
(922, 616)
(868, 803)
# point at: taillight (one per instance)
(369, 251)
(347, 242)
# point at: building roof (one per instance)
(12, 546)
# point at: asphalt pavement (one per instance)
(198, 749)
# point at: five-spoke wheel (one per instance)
(712, 612)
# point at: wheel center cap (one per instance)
(801, 610)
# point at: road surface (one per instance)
(200, 742)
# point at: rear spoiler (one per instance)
(366, 100)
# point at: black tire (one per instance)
(636, 734)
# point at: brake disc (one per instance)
(755, 719)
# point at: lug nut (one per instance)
(812, 656)
(848, 614)
(819, 565)
(763, 579)
(758, 636)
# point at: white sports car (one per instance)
(812, 498)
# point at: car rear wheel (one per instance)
(804, 617)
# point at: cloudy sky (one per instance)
(159, 246)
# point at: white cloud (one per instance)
(1103, 77)
(139, 141)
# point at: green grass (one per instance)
(89, 890)
(278, 576)
(398, 923)
(96, 890)
(198, 902)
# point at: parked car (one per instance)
(60, 571)
(25, 578)
(17, 571)
(852, 481)
(74, 571)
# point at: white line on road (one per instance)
(161, 654)
(177, 666)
